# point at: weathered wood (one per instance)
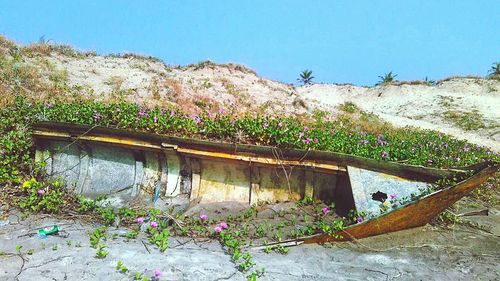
(415, 214)
(254, 184)
(195, 178)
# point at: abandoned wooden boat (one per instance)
(173, 171)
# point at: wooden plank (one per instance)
(255, 160)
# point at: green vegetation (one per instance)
(305, 77)
(466, 120)
(387, 79)
(494, 72)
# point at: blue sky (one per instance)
(341, 41)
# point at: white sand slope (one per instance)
(233, 86)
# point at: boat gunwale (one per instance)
(412, 172)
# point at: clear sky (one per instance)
(341, 41)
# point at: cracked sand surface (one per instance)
(424, 253)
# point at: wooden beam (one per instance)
(266, 161)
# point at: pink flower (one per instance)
(203, 217)
(307, 140)
(155, 119)
(157, 274)
(221, 110)
(325, 210)
(223, 225)
(316, 140)
(97, 117)
(154, 224)
(218, 229)
(359, 219)
(140, 220)
(384, 155)
(41, 192)
(301, 134)
(305, 129)
(197, 119)
(142, 113)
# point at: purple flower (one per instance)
(140, 220)
(301, 134)
(154, 224)
(41, 192)
(223, 225)
(466, 149)
(222, 110)
(155, 119)
(384, 155)
(97, 117)
(265, 125)
(359, 219)
(316, 140)
(381, 142)
(203, 217)
(157, 274)
(218, 229)
(307, 140)
(325, 210)
(305, 128)
(197, 119)
(392, 196)
(142, 113)
(172, 113)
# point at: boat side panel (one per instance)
(416, 214)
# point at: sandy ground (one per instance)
(233, 86)
(424, 253)
(422, 106)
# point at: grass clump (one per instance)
(467, 121)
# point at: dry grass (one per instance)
(115, 82)
(6, 43)
(36, 49)
(174, 88)
(473, 77)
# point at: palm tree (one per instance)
(306, 77)
(388, 78)
(495, 70)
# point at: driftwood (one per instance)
(484, 212)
